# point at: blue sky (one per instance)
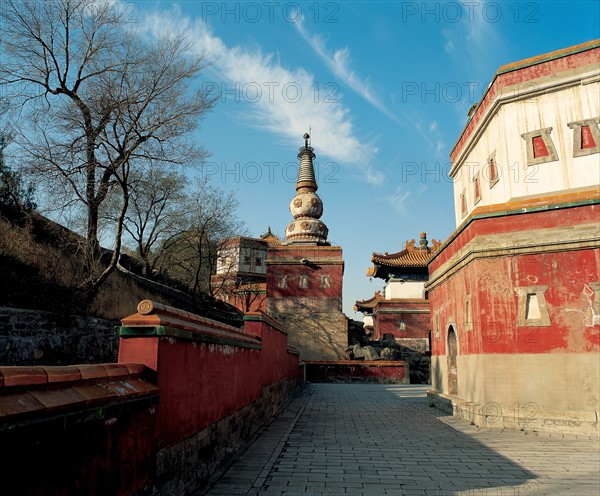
(385, 88)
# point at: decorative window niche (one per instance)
(282, 282)
(533, 310)
(539, 146)
(326, 281)
(303, 282)
(476, 189)
(595, 287)
(586, 137)
(468, 314)
(492, 170)
(463, 203)
(401, 325)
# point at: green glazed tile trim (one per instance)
(519, 211)
(157, 331)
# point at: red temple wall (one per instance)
(388, 313)
(216, 385)
(492, 284)
(543, 367)
(322, 261)
(494, 304)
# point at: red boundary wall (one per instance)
(186, 394)
(377, 371)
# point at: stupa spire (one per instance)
(306, 207)
(306, 171)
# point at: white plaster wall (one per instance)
(253, 254)
(503, 135)
(368, 321)
(228, 260)
(408, 289)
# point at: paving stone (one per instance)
(364, 439)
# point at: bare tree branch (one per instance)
(192, 254)
(98, 102)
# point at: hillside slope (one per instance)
(40, 261)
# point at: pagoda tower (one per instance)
(306, 207)
(305, 274)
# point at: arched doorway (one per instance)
(451, 351)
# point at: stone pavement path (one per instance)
(336, 439)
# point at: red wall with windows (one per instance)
(389, 313)
(321, 262)
(491, 283)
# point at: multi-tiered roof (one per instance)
(411, 259)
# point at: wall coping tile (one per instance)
(267, 319)
(155, 319)
(240, 340)
(31, 394)
(19, 376)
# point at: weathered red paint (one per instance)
(515, 223)
(388, 313)
(321, 261)
(201, 383)
(78, 430)
(492, 283)
(198, 383)
(248, 303)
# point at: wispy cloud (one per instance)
(286, 106)
(468, 43)
(470, 40)
(399, 200)
(432, 136)
(338, 63)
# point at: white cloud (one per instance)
(286, 105)
(400, 200)
(338, 63)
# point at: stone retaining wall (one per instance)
(37, 337)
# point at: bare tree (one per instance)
(155, 213)
(248, 294)
(97, 99)
(191, 256)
